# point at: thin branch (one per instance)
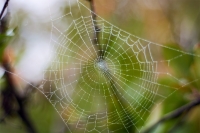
(96, 28)
(106, 73)
(4, 8)
(10, 95)
(11, 87)
(174, 114)
(180, 123)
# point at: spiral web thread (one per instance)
(110, 87)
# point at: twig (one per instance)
(21, 111)
(174, 114)
(3, 23)
(96, 28)
(96, 41)
(106, 73)
(4, 8)
(179, 123)
(10, 95)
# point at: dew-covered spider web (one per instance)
(105, 79)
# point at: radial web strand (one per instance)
(110, 86)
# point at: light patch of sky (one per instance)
(38, 7)
(35, 60)
(38, 51)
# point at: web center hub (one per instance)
(101, 65)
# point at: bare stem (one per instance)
(96, 28)
(4, 8)
(174, 114)
(12, 89)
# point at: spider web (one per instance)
(109, 86)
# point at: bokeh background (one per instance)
(168, 22)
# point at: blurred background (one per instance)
(25, 47)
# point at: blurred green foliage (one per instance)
(186, 66)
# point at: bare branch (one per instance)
(96, 28)
(174, 114)
(12, 90)
(4, 8)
